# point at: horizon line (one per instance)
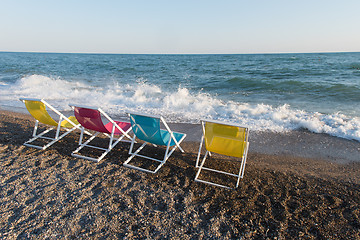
(106, 53)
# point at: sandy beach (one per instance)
(296, 186)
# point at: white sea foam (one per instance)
(179, 105)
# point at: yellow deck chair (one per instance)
(37, 108)
(226, 139)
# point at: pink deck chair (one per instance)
(91, 118)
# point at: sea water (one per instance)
(319, 92)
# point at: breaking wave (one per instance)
(178, 105)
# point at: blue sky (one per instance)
(184, 26)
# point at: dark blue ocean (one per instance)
(277, 92)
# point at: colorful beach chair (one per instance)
(226, 139)
(37, 108)
(91, 118)
(147, 128)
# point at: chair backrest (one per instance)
(38, 110)
(147, 128)
(225, 139)
(90, 119)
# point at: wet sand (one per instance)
(296, 186)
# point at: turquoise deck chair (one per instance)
(147, 128)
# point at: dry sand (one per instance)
(283, 195)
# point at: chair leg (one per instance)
(111, 146)
(238, 176)
(81, 135)
(174, 148)
(203, 181)
(132, 144)
(82, 145)
(244, 161)
(85, 144)
(201, 165)
(106, 150)
(38, 136)
(41, 135)
(162, 162)
(59, 137)
(242, 166)
(35, 128)
(136, 154)
(198, 156)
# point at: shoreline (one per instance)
(49, 194)
(299, 152)
(297, 143)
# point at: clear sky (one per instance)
(182, 26)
